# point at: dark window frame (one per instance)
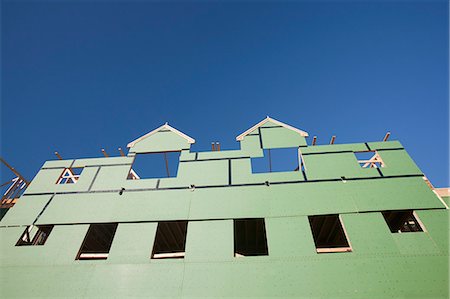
(337, 231)
(247, 245)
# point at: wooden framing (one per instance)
(333, 138)
(16, 187)
(93, 256)
(374, 162)
(58, 155)
(68, 177)
(168, 255)
(105, 153)
(269, 119)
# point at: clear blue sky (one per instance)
(81, 75)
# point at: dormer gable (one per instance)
(162, 139)
(272, 133)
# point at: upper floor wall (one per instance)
(222, 184)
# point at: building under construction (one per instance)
(280, 217)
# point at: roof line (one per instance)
(165, 126)
(267, 119)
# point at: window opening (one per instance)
(35, 235)
(276, 160)
(369, 159)
(403, 221)
(70, 175)
(329, 234)
(97, 243)
(170, 241)
(250, 237)
(155, 165)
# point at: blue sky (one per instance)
(78, 76)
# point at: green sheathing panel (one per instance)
(334, 166)
(251, 277)
(60, 248)
(384, 145)
(251, 146)
(446, 199)
(157, 280)
(102, 161)
(330, 148)
(58, 163)
(418, 243)
(93, 281)
(186, 155)
(436, 223)
(236, 202)
(241, 173)
(327, 276)
(242, 202)
(398, 162)
(221, 154)
(115, 178)
(112, 207)
(289, 237)
(393, 194)
(369, 234)
(281, 138)
(46, 179)
(160, 142)
(199, 173)
(210, 241)
(25, 210)
(133, 243)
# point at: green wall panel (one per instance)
(221, 154)
(436, 224)
(398, 162)
(112, 207)
(281, 138)
(162, 280)
(186, 155)
(25, 210)
(415, 243)
(133, 243)
(393, 194)
(199, 173)
(60, 248)
(251, 146)
(335, 165)
(241, 173)
(58, 163)
(102, 161)
(289, 237)
(46, 179)
(310, 199)
(327, 148)
(210, 241)
(236, 202)
(384, 145)
(368, 233)
(115, 178)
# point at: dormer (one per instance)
(163, 139)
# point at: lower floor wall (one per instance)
(332, 277)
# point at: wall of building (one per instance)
(212, 189)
